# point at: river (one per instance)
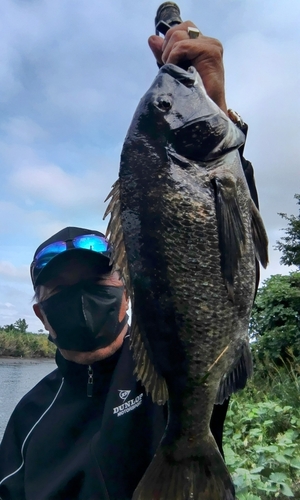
(17, 377)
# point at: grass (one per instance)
(26, 345)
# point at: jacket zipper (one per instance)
(90, 382)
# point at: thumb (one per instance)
(155, 44)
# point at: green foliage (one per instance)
(20, 325)
(28, 345)
(289, 245)
(8, 328)
(262, 440)
(275, 320)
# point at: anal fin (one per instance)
(237, 376)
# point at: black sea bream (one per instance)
(186, 233)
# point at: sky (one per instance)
(71, 75)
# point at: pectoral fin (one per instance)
(231, 229)
(259, 235)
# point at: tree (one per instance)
(289, 245)
(275, 320)
(8, 328)
(20, 325)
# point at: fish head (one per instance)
(176, 110)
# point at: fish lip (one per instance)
(179, 73)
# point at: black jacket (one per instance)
(61, 444)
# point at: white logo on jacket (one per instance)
(127, 406)
(124, 394)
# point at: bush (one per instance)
(275, 320)
(262, 438)
(27, 345)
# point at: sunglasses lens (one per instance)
(88, 242)
(91, 242)
(45, 255)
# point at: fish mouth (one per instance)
(187, 77)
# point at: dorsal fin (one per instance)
(144, 369)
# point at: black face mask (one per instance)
(85, 317)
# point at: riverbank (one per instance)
(25, 345)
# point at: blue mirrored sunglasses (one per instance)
(86, 242)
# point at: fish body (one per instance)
(186, 234)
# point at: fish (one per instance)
(186, 236)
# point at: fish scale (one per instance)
(186, 234)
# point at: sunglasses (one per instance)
(86, 242)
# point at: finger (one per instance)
(178, 34)
(179, 27)
(176, 38)
(190, 49)
(155, 44)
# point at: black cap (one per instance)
(38, 275)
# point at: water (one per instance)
(17, 377)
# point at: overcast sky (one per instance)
(71, 75)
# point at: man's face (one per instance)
(71, 272)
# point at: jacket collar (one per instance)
(75, 371)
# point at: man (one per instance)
(88, 430)
(86, 425)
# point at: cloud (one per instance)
(22, 129)
(11, 272)
(50, 183)
(21, 222)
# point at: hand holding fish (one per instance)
(204, 53)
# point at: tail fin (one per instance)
(203, 477)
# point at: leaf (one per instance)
(257, 470)
(231, 457)
(281, 459)
(286, 490)
(295, 462)
(268, 422)
(278, 477)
